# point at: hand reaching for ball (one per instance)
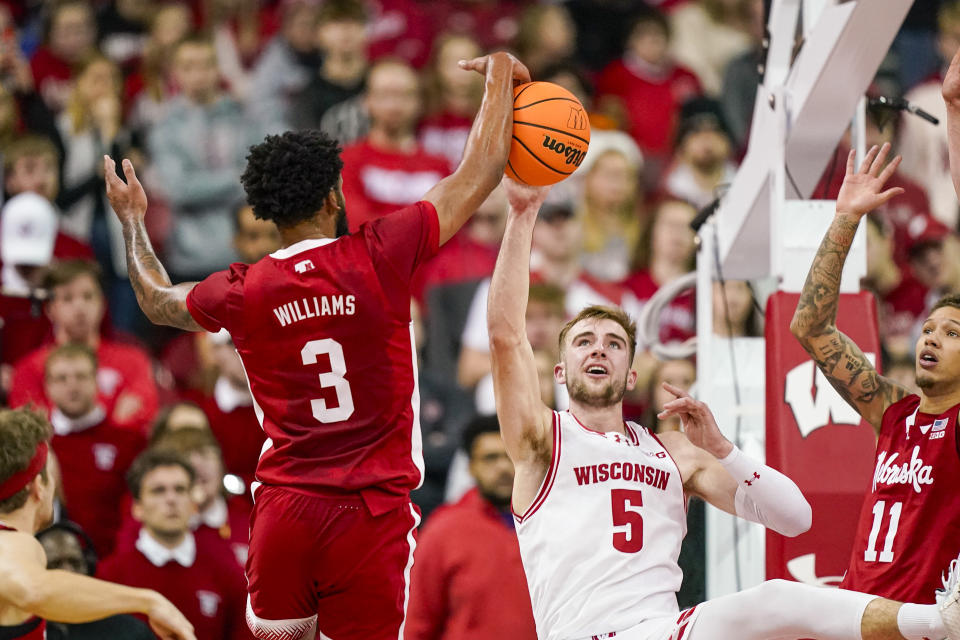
(519, 71)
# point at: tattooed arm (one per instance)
(814, 322)
(161, 301)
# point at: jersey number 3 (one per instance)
(626, 513)
(333, 378)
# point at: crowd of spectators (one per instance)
(156, 432)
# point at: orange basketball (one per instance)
(551, 133)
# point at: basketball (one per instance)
(551, 133)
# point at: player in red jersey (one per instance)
(909, 528)
(323, 329)
(29, 593)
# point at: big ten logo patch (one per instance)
(572, 152)
(577, 119)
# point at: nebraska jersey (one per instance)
(323, 330)
(909, 527)
(600, 540)
(32, 629)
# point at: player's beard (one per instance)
(924, 381)
(342, 227)
(609, 395)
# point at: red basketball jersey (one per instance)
(32, 629)
(909, 528)
(323, 329)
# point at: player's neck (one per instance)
(603, 419)
(61, 337)
(23, 519)
(936, 403)
(316, 227)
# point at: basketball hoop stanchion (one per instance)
(766, 231)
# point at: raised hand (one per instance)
(129, 201)
(520, 72)
(697, 422)
(523, 198)
(862, 191)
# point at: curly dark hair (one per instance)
(288, 176)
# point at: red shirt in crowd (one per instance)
(677, 321)
(25, 327)
(323, 329)
(652, 100)
(52, 77)
(234, 423)
(459, 260)
(377, 182)
(123, 369)
(94, 456)
(445, 134)
(200, 577)
(227, 522)
(467, 581)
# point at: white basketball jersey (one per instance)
(601, 538)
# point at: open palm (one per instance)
(862, 191)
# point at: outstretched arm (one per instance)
(814, 321)
(68, 597)
(161, 301)
(524, 419)
(458, 195)
(951, 97)
(720, 473)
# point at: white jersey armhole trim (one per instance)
(548, 480)
(686, 498)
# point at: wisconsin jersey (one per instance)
(909, 528)
(32, 629)
(323, 330)
(600, 541)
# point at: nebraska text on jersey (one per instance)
(629, 471)
(314, 307)
(913, 472)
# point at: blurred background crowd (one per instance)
(182, 88)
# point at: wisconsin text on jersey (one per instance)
(628, 471)
(313, 307)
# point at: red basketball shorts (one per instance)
(324, 563)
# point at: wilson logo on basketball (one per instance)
(577, 119)
(573, 155)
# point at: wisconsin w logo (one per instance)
(577, 119)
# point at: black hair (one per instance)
(70, 528)
(289, 176)
(476, 428)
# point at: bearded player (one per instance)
(909, 527)
(600, 504)
(323, 329)
(29, 593)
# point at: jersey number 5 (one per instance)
(626, 513)
(333, 378)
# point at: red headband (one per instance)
(20, 479)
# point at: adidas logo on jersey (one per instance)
(911, 473)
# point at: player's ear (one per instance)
(559, 373)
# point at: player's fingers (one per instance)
(868, 159)
(851, 160)
(889, 194)
(880, 159)
(677, 391)
(890, 169)
(109, 170)
(129, 173)
(475, 64)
